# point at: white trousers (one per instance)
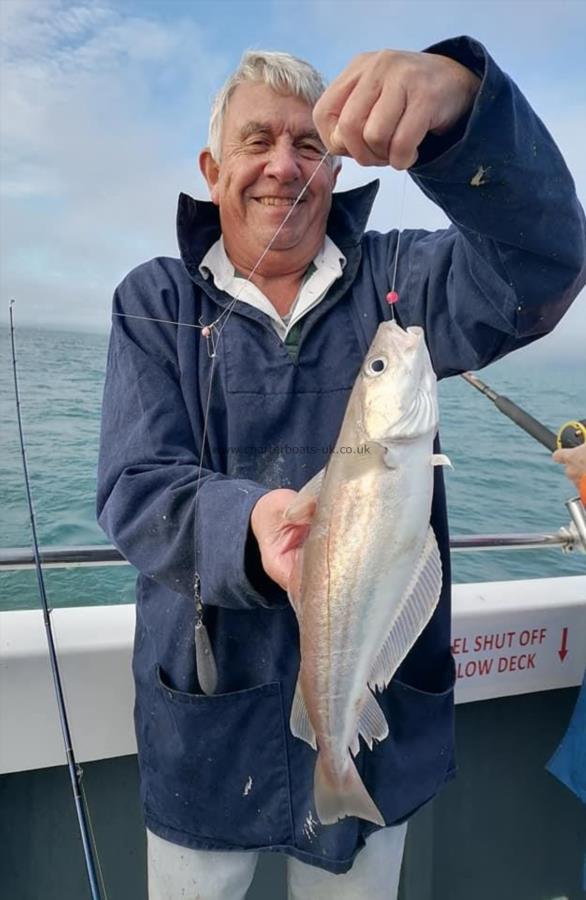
(176, 872)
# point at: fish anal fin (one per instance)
(294, 588)
(299, 722)
(414, 612)
(372, 724)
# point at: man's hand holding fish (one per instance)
(279, 538)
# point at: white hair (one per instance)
(282, 72)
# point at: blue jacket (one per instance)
(224, 771)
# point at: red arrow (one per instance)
(563, 651)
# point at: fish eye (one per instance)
(376, 366)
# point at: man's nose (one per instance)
(283, 163)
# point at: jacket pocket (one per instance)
(216, 766)
(412, 763)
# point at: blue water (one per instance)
(502, 480)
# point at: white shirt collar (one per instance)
(328, 266)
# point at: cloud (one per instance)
(100, 112)
(104, 105)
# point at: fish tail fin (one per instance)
(336, 798)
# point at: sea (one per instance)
(502, 480)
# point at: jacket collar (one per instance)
(198, 223)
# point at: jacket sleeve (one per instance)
(165, 516)
(513, 260)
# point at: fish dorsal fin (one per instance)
(372, 724)
(414, 612)
(299, 722)
(302, 507)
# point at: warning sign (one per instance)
(509, 643)
(520, 647)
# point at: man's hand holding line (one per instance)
(381, 107)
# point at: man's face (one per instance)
(270, 148)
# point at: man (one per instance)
(207, 438)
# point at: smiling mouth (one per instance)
(277, 201)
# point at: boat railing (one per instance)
(55, 557)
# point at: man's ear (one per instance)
(210, 170)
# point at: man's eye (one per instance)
(312, 149)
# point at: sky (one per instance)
(104, 107)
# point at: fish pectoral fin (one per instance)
(372, 724)
(303, 507)
(440, 459)
(313, 486)
(299, 722)
(413, 613)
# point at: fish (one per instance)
(368, 576)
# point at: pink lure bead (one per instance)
(392, 297)
(206, 331)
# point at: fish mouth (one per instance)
(398, 343)
(405, 337)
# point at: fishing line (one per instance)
(75, 772)
(152, 319)
(205, 663)
(392, 296)
(207, 672)
(220, 322)
(299, 197)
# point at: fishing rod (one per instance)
(75, 773)
(572, 434)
